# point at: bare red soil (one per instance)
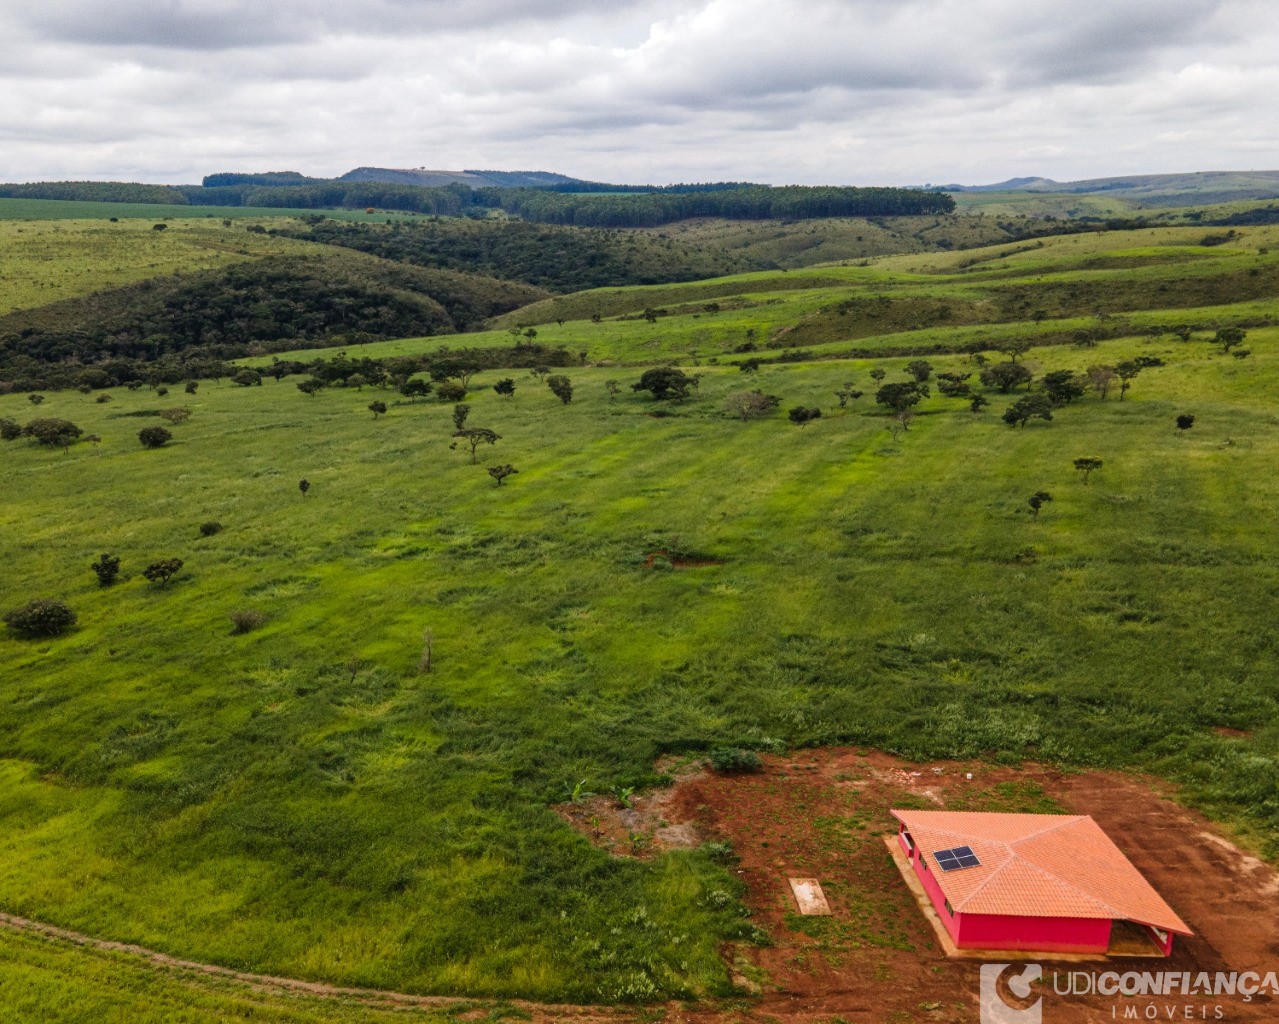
(824, 813)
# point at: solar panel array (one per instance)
(956, 858)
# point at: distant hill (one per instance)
(475, 179)
(1150, 189)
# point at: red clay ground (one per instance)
(823, 813)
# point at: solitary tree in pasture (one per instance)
(750, 405)
(978, 402)
(53, 433)
(476, 436)
(505, 387)
(450, 391)
(613, 387)
(846, 394)
(311, 386)
(1229, 337)
(304, 485)
(106, 568)
(878, 374)
(802, 415)
(1013, 348)
(954, 385)
(1028, 407)
(162, 571)
(247, 378)
(561, 387)
(664, 382)
(1088, 464)
(377, 409)
(500, 473)
(1127, 372)
(154, 437)
(460, 412)
(1037, 501)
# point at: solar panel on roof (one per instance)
(955, 858)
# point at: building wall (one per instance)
(928, 879)
(1035, 934)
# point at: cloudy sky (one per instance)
(805, 91)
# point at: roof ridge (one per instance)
(1072, 819)
(1116, 911)
(1012, 857)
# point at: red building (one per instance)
(1049, 883)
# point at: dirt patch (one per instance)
(1231, 734)
(638, 825)
(824, 814)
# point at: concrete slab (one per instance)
(809, 897)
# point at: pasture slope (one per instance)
(303, 800)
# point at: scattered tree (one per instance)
(920, 369)
(540, 372)
(664, 382)
(357, 381)
(154, 437)
(1005, 376)
(377, 409)
(42, 617)
(35, 399)
(1037, 501)
(1088, 464)
(1185, 421)
(247, 378)
(106, 568)
(802, 415)
(878, 374)
(613, 387)
(178, 414)
(1013, 348)
(192, 387)
(505, 387)
(954, 385)
(163, 571)
(847, 393)
(246, 621)
(901, 397)
(9, 429)
(1229, 337)
(310, 386)
(749, 365)
(978, 402)
(417, 387)
(1100, 379)
(304, 485)
(561, 387)
(750, 405)
(460, 412)
(476, 436)
(500, 473)
(450, 391)
(1063, 386)
(54, 433)
(1028, 407)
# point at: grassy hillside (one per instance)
(302, 798)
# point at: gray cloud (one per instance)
(805, 90)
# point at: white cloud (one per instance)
(652, 90)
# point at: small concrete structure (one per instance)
(809, 897)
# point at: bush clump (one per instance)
(45, 616)
(246, 621)
(210, 528)
(735, 761)
(154, 437)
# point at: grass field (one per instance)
(302, 799)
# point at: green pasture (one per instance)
(303, 800)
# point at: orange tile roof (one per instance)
(1038, 865)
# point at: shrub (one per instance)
(9, 429)
(154, 437)
(178, 414)
(42, 617)
(247, 378)
(735, 760)
(107, 569)
(161, 391)
(103, 399)
(163, 571)
(561, 387)
(377, 409)
(1185, 421)
(210, 528)
(450, 391)
(246, 621)
(802, 415)
(192, 387)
